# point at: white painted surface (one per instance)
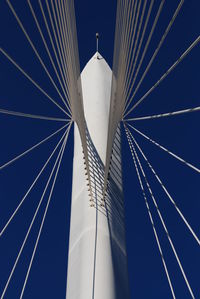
(91, 270)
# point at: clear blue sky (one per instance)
(180, 134)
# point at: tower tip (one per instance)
(97, 42)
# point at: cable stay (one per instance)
(121, 43)
(62, 19)
(124, 25)
(164, 114)
(166, 150)
(120, 66)
(64, 43)
(146, 46)
(197, 40)
(69, 32)
(134, 38)
(59, 39)
(68, 13)
(41, 117)
(132, 68)
(31, 148)
(62, 28)
(62, 68)
(34, 49)
(44, 217)
(64, 52)
(150, 215)
(153, 56)
(50, 57)
(34, 82)
(65, 35)
(67, 38)
(61, 55)
(165, 190)
(57, 36)
(33, 184)
(164, 225)
(59, 157)
(125, 35)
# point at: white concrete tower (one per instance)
(97, 262)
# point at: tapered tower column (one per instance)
(97, 263)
